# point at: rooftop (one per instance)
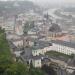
(40, 45)
(31, 57)
(64, 43)
(55, 28)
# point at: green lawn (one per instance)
(58, 54)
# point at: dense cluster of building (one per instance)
(43, 37)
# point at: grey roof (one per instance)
(41, 45)
(64, 43)
(38, 44)
(55, 28)
(31, 57)
(12, 46)
(36, 57)
(45, 60)
(28, 52)
(15, 40)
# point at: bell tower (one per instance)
(25, 42)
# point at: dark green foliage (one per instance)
(34, 71)
(49, 70)
(19, 69)
(4, 48)
(72, 56)
(14, 69)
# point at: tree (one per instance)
(49, 70)
(72, 56)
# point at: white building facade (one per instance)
(63, 47)
(41, 51)
(60, 46)
(36, 62)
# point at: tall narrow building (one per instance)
(15, 18)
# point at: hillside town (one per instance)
(47, 38)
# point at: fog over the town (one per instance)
(46, 1)
(54, 2)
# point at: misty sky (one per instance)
(71, 1)
(49, 1)
(56, 1)
(53, 2)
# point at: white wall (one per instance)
(18, 43)
(43, 51)
(63, 49)
(37, 52)
(36, 63)
(55, 47)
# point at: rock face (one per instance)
(55, 28)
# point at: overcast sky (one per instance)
(68, 1)
(54, 2)
(49, 1)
